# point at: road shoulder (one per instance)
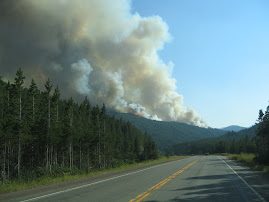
(77, 182)
(258, 180)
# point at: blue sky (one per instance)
(220, 50)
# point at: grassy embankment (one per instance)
(64, 177)
(248, 160)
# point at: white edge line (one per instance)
(250, 187)
(86, 185)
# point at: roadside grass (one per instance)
(48, 180)
(248, 159)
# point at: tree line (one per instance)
(42, 134)
(229, 144)
(253, 140)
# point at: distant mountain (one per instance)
(209, 144)
(233, 128)
(166, 134)
(250, 132)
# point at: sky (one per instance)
(198, 62)
(220, 54)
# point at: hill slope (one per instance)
(211, 144)
(250, 132)
(233, 128)
(166, 134)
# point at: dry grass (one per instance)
(248, 159)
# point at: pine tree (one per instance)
(48, 87)
(86, 114)
(96, 135)
(102, 137)
(150, 149)
(263, 136)
(33, 92)
(71, 120)
(233, 149)
(3, 143)
(19, 80)
(56, 125)
(7, 125)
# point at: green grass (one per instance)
(248, 160)
(21, 184)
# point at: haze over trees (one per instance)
(165, 133)
(232, 142)
(233, 128)
(42, 134)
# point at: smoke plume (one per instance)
(97, 48)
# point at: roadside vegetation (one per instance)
(248, 159)
(250, 146)
(65, 176)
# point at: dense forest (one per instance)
(231, 142)
(42, 134)
(217, 145)
(165, 133)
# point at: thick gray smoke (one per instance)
(97, 48)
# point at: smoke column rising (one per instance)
(97, 48)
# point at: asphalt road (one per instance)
(201, 178)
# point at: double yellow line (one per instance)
(160, 184)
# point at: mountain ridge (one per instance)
(165, 133)
(234, 128)
(210, 144)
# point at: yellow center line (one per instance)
(145, 194)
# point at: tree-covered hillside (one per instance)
(166, 134)
(231, 142)
(42, 134)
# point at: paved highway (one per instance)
(197, 178)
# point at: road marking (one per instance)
(142, 196)
(250, 187)
(94, 183)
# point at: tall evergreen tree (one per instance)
(56, 131)
(2, 136)
(48, 87)
(70, 131)
(19, 80)
(263, 136)
(33, 92)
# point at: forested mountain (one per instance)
(231, 142)
(42, 134)
(233, 128)
(250, 132)
(166, 134)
